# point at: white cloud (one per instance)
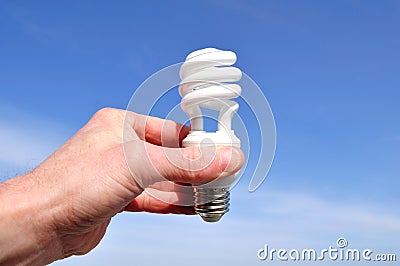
(277, 217)
(26, 139)
(281, 219)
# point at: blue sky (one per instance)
(330, 70)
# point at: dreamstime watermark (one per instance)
(339, 253)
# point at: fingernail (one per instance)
(230, 159)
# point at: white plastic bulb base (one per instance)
(211, 200)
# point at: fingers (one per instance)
(154, 130)
(149, 203)
(194, 165)
(150, 164)
(159, 131)
(170, 186)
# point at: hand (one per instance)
(64, 206)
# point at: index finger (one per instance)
(159, 131)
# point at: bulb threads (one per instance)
(211, 203)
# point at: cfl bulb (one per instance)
(206, 81)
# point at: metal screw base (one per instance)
(211, 203)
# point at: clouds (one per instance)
(273, 215)
(332, 78)
(281, 219)
(318, 214)
(26, 140)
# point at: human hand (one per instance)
(64, 206)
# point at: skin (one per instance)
(63, 207)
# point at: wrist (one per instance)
(27, 235)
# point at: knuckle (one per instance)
(191, 153)
(104, 113)
(107, 115)
(198, 164)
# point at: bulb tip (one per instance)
(213, 218)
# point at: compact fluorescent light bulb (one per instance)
(207, 77)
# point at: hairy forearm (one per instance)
(26, 235)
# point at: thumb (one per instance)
(192, 165)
